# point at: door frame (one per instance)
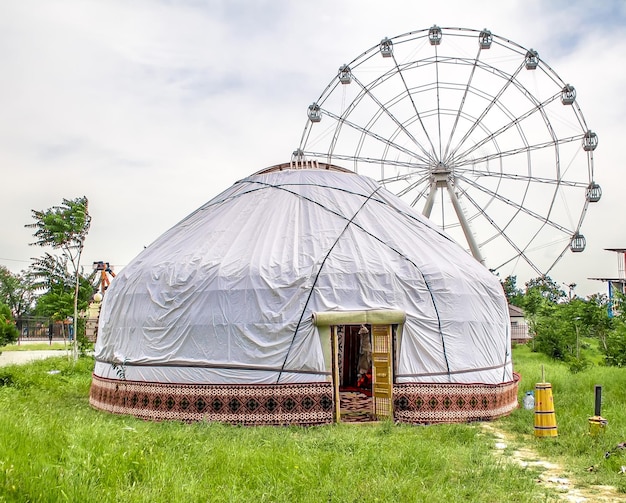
(375, 318)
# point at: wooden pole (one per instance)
(335, 354)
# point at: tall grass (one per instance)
(35, 346)
(581, 454)
(54, 447)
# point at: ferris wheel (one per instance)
(475, 131)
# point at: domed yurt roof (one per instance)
(231, 294)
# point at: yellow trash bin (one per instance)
(545, 418)
(597, 425)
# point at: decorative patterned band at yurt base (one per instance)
(293, 287)
(305, 404)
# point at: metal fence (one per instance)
(519, 333)
(39, 328)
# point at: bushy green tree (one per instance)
(615, 351)
(16, 291)
(513, 294)
(65, 228)
(558, 324)
(547, 288)
(595, 320)
(8, 330)
(555, 331)
(614, 342)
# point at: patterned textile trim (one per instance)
(454, 403)
(305, 404)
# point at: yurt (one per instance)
(305, 294)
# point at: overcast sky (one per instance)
(151, 108)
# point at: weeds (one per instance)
(54, 447)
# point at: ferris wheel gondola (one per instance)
(476, 131)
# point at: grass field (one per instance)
(35, 346)
(581, 454)
(54, 447)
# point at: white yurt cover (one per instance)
(228, 294)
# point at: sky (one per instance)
(151, 108)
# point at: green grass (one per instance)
(54, 447)
(37, 346)
(574, 399)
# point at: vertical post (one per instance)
(382, 371)
(430, 200)
(471, 241)
(597, 424)
(335, 353)
(598, 407)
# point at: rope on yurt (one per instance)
(507, 353)
(454, 372)
(351, 222)
(319, 271)
(370, 197)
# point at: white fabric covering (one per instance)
(227, 295)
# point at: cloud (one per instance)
(151, 108)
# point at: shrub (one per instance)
(8, 330)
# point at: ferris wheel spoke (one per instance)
(386, 110)
(412, 186)
(524, 149)
(515, 123)
(547, 269)
(522, 253)
(365, 160)
(476, 173)
(482, 211)
(488, 108)
(406, 177)
(438, 104)
(559, 257)
(421, 195)
(462, 104)
(417, 114)
(513, 204)
(502, 232)
(366, 132)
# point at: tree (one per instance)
(559, 332)
(513, 294)
(547, 287)
(594, 317)
(65, 228)
(614, 347)
(16, 292)
(8, 330)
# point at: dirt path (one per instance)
(17, 357)
(552, 474)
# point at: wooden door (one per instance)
(382, 371)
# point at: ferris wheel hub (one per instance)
(441, 175)
(464, 130)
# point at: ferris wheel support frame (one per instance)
(442, 178)
(492, 141)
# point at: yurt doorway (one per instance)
(363, 372)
